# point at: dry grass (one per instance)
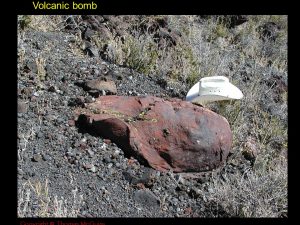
(43, 23)
(262, 190)
(35, 199)
(256, 193)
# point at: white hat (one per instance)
(215, 88)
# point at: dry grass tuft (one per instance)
(35, 200)
(261, 192)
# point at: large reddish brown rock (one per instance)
(165, 134)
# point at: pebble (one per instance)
(20, 171)
(175, 201)
(71, 123)
(26, 91)
(31, 173)
(65, 103)
(146, 198)
(179, 179)
(63, 79)
(89, 99)
(130, 177)
(79, 101)
(36, 150)
(33, 98)
(51, 89)
(195, 192)
(88, 166)
(90, 152)
(70, 153)
(107, 159)
(116, 152)
(107, 141)
(39, 134)
(210, 190)
(60, 120)
(22, 107)
(46, 157)
(93, 169)
(37, 158)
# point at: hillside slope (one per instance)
(65, 173)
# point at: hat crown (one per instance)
(214, 88)
(213, 84)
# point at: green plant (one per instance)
(193, 64)
(24, 21)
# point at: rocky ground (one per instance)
(62, 172)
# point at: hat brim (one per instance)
(227, 92)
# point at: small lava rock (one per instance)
(99, 85)
(146, 198)
(51, 89)
(22, 107)
(37, 158)
(71, 122)
(79, 101)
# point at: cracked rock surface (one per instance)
(165, 134)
